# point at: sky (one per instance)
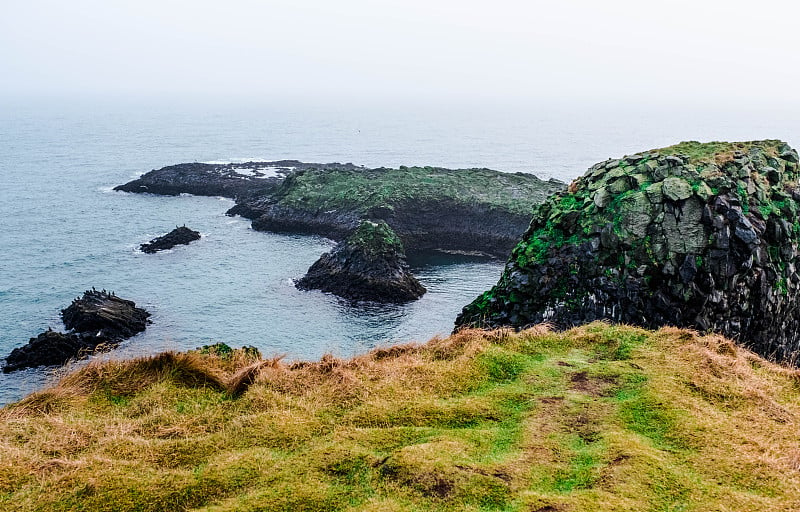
(698, 51)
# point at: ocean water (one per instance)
(64, 230)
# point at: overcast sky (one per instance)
(676, 51)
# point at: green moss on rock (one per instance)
(369, 265)
(695, 235)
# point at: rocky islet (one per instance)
(430, 208)
(178, 236)
(695, 235)
(369, 265)
(97, 318)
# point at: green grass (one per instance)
(601, 417)
(366, 189)
(699, 152)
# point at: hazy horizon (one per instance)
(616, 53)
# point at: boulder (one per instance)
(105, 316)
(703, 236)
(369, 265)
(178, 236)
(98, 318)
(50, 348)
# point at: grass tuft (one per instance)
(601, 417)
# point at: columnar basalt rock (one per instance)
(695, 235)
(98, 318)
(369, 265)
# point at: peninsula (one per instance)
(429, 208)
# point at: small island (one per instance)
(429, 208)
(178, 236)
(369, 265)
(97, 320)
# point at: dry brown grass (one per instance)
(596, 418)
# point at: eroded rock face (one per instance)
(369, 265)
(97, 318)
(695, 235)
(178, 236)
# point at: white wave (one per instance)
(263, 172)
(271, 171)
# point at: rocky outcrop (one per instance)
(234, 180)
(104, 316)
(178, 236)
(97, 318)
(369, 265)
(695, 235)
(430, 208)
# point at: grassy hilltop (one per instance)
(595, 418)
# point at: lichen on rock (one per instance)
(369, 265)
(695, 235)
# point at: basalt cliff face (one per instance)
(695, 235)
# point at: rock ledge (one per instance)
(178, 236)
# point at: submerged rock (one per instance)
(695, 235)
(369, 265)
(178, 236)
(97, 318)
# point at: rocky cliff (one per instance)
(694, 235)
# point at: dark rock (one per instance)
(104, 315)
(711, 244)
(178, 236)
(369, 265)
(50, 348)
(235, 180)
(430, 208)
(98, 318)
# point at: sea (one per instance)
(64, 230)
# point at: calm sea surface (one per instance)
(64, 230)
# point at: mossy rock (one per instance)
(369, 265)
(703, 235)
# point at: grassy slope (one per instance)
(368, 188)
(718, 152)
(597, 418)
